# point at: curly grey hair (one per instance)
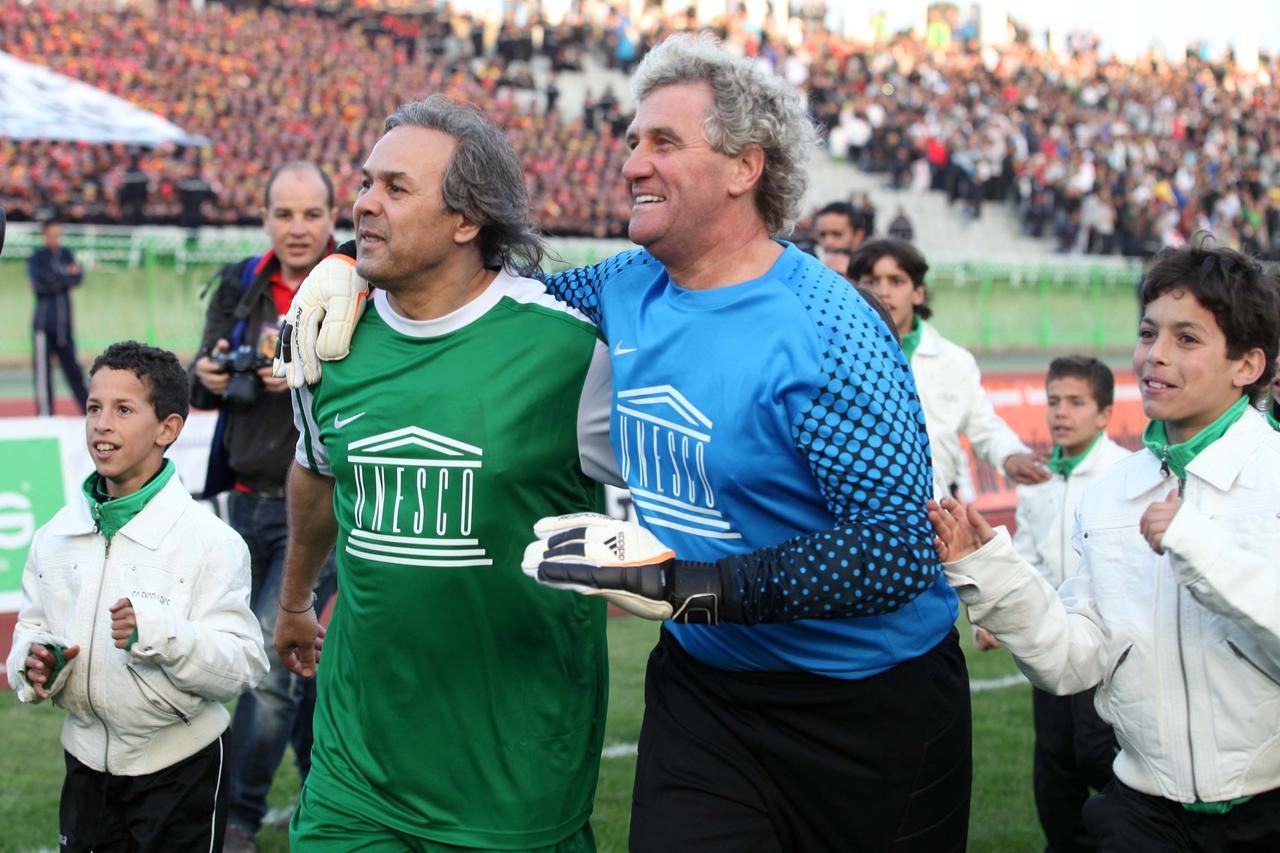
(483, 180)
(749, 107)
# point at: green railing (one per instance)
(149, 284)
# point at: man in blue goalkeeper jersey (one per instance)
(770, 431)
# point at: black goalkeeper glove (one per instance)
(620, 561)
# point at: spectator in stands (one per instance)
(53, 272)
(946, 374)
(900, 227)
(252, 448)
(1166, 143)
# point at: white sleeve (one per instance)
(1024, 539)
(32, 628)
(310, 452)
(1056, 637)
(993, 440)
(595, 451)
(1233, 575)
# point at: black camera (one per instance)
(242, 363)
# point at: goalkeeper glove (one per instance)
(321, 319)
(625, 564)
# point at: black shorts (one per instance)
(767, 761)
(1122, 820)
(182, 807)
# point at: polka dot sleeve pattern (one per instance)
(863, 436)
(580, 287)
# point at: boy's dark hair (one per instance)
(168, 390)
(857, 221)
(1102, 382)
(1244, 299)
(907, 256)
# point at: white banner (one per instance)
(37, 103)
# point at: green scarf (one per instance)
(1271, 419)
(1178, 456)
(110, 514)
(911, 339)
(1064, 465)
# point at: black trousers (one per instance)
(1073, 755)
(46, 346)
(760, 761)
(1123, 820)
(182, 807)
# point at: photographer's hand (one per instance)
(270, 382)
(207, 371)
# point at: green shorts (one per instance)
(321, 826)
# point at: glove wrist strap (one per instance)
(696, 593)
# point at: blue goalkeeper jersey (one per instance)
(775, 424)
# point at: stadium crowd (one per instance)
(1097, 154)
(269, 86)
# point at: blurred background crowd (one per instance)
(1095, 154)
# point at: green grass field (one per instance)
(1003, 816)
(988, 310)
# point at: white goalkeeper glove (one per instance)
(625, 564)
(321, 319)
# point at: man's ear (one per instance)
(1250, 368)
(748, 167)
(169, 430)
(465, 230)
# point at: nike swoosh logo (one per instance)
(621, 350)
(339, 423)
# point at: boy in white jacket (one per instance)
(947, 376)
(1175, 611)
(135, 618)
(1074, 746)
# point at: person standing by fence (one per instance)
(53, 272)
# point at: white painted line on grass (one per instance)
(980, 685)
(619, 750)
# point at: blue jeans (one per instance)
(278, 711)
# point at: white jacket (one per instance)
(1046, 513)
(955, 404)
(187, 575)
(1185, 646)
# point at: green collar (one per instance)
(1065, 465)
(1176, 457)
(1271, 418)
(911, 339)
(110, 514)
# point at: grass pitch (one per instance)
(1002, 819)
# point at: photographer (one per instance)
(251, 453)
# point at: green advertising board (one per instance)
(31, 492)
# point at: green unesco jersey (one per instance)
(459, 701)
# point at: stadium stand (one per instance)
(1077, 152)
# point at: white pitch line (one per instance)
(619, 750)
(981, 685)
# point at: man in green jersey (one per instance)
(459, 705)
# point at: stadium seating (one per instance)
(1073, 152)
